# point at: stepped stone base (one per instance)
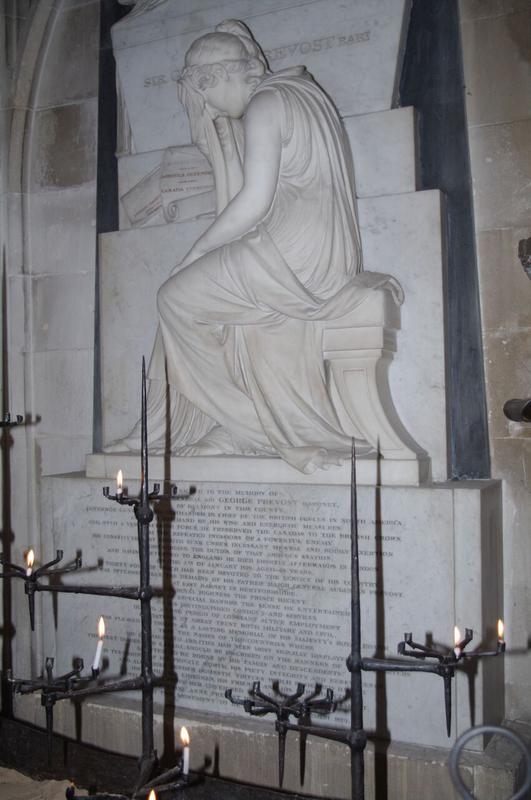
(244, 750)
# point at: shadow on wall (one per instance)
(432, 81)
(7, 629)
(382, 727)
(164, 518)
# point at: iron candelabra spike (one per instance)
(433, 660)
(284, 706)
(143, 510)
(73, 685)
(446, 662)
(31, 577)
(422, 659)
(282, 734)
(144, 446)
(357, 765)
(38, 572)
(29, 588)
(51, 690)
(448, 701)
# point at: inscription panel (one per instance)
(280, 53)
(255, 585)
(182, 187)
(354, 49)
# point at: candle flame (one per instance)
(30, 558)
(119, 479)
(185, 737)
(101, 628)
(501, 629)
(152, 795)
(457, 635)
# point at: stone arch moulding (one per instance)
(34, 44)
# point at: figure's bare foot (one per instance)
(117, 447)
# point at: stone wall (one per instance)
(15, 22)
(48, 127)
(60, 245)
(497, 66)
(48, 146)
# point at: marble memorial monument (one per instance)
(258, 558)
(237, 367)
(355, 365)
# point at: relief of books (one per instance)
(182, 187)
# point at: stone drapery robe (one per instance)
(237, 361)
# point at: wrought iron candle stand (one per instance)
(8, 422)
(31, 580)
(298, 707)
(48, 686)
(73, 685)
(285, 706)
(444, 665)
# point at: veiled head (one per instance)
(225, 67)
(213, 48)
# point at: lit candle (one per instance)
(119, 483)
(185, 741)
(99, 646)
(152, 795)
(457, 639)
(30, 560)
(501, 632)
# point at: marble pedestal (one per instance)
(166, 201)
(256, 470)
(403, 230)
(256, 586)
(246, 750)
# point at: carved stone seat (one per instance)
(358, 350)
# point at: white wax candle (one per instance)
(97, 657)
(99, 646)
(30, 559)
(119, 483)
(457, 639)
(185, 741)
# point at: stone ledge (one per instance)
(258, 470)
(260, 590)
(245, 750)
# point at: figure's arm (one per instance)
(260, 176)
(194, 107)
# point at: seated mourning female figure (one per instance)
(237, 366)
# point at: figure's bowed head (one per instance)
(224, 71)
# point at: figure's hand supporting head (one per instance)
(225, 67)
